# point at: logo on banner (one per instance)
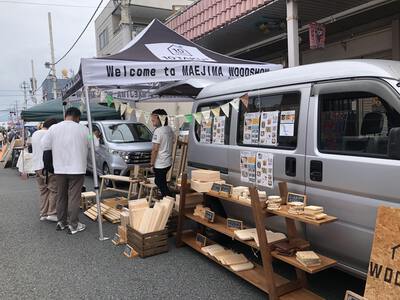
(167, 51)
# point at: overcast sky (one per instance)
(24, 36)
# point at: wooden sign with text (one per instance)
(234, 224)
(209, 215)
(353, 296)
(383, 277)
(129, 252)
(216, 188)
(116, 239)
(292, 197)
(201, 240)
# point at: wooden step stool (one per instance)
(87, 199)
(147, 188)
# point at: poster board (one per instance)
(287, 120)
(383, 277)
(265, 170)
(218, 133)
(205, 131)
(251, 128)
(269, 128)
(248, 166)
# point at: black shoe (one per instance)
(60, 226)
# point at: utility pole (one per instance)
(292, 32)
(33, 83)
(25, 86)
(53, 66)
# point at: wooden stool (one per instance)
(150, 187)
(87, 199)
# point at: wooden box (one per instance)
(205, 175)
(148, 244)
(203, 187)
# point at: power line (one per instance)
(44, 4)
(83, 31)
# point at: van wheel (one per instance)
(106, 171)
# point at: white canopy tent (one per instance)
(157, 55)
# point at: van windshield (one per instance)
(127, 133)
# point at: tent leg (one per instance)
(93, 157)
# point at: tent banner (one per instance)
(103, 72)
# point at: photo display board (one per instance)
(251, 128)
(248, 166)
(205, 131)
(218, 133)
(269, 128)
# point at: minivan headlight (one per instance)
(123, 154)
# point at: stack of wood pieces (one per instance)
(274, 202)
(236, 261)
(251, 234)
(191, 200)
(200, 211)
(202, 180)
(296, 208)
(314, 212)
(308, 258)
(145, 219)
(110, 214)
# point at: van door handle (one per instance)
(316, 170)
(290, 166)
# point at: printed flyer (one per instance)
(269, 128)
(219, 130)
(251, 128)
(248, 166)
(265, 169)
(205, 131)
(286, 127)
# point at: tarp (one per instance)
(54, 109)
(159, 54)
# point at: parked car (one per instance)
(342, 148)
(123, 144)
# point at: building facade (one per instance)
(121, 20)
(257, 29)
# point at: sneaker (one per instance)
(60, 226)
(52, 218)
(80, 227)
(43, 218)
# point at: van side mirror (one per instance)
(394, 143)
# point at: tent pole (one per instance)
(93, 156)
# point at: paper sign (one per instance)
(269, 128)
(171, 51)
(292, 197)
(201, 240)
(287, 120)
(383, 277)
(248, 166)
(205, 131)
(251, 128)
(218, 132)
(234, 224)
(265, 169)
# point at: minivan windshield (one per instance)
(127, 133)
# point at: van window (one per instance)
(127, 133)
(277, 124)
(355, 123)
(216, 129)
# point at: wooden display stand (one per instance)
(263, 277)
(115, 178)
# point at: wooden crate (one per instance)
(172, 223)
(148, 244)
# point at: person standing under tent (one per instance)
(161, 154)
(69, 142)
(47, 185)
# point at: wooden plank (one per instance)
(119, 178)
(254, 276)
(229, 199)
(326, 262)
(302, 294)
(283, 212)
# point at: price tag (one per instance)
(116, 239)
(226, 189)
(209, 215)
(201, 240)
(234, 224)
(216, 188)
(292, 197)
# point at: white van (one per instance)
(342, 151)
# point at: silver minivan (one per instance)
(123, 144)
(342, 151)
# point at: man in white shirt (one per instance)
(69, 142)
(47, 187)
(161, 154)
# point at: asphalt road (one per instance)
(36, 262)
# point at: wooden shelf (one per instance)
(255, 276)
(326, 262)
(302, 294)
(229, 199)
(220, 226)
(283, 212)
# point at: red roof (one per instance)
(204, 16)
